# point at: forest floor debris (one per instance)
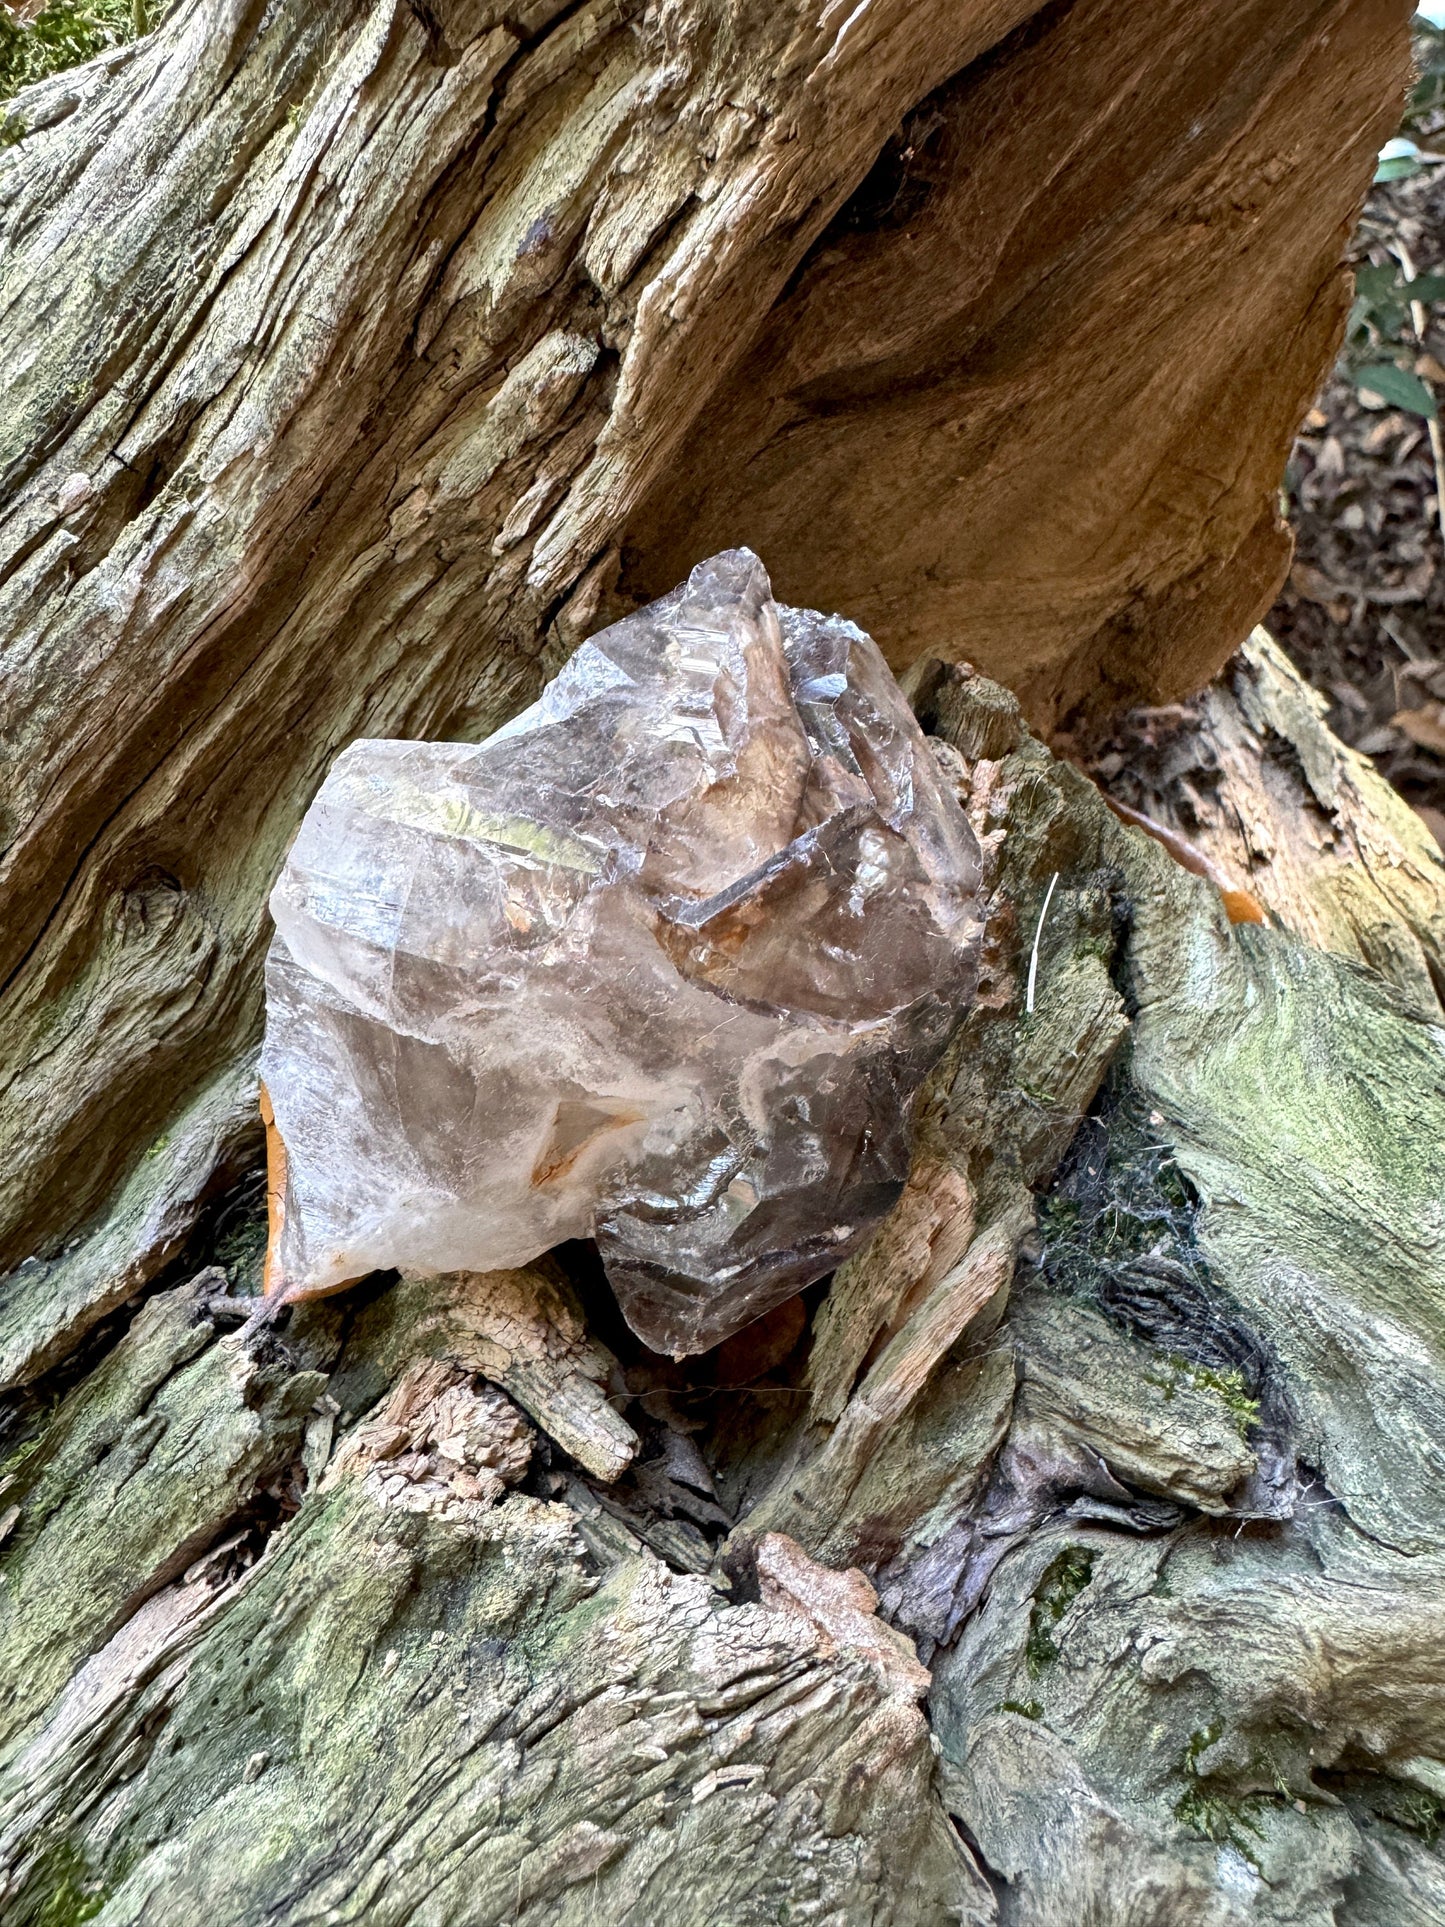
(1363, 611)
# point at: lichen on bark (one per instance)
(370, 357)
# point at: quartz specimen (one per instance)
(662, 962)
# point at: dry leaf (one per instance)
(1382, 433)
(1424, 726)
(1312, 584)
(1331, 457)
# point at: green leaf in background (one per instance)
(1387, 284)
(63, 34)
(1376, 283)
(1382, 304)
(1428, 94)
(1397, 388)
(1399, 159)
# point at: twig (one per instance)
(1240, 906)
(1034, 958)
(1419, 321)
(266, 1313)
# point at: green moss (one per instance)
(1209, 1812)
(1064, 1578)
(1392, 1800)
(1200, 1741)
(1230, 1387)
(1226, 1822)
(1031, 1709)
(12, 1463)
(1046, 1100)
(65, 34)
(35, 1423)
(240, 1250)
(1264, 1762)
(62, 1891)
(1413, 1807)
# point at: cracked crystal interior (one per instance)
(663, 962)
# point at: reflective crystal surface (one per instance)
(662, 962)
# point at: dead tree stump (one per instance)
(1074, 1555)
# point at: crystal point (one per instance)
(663, 962)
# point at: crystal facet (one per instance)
(662, 962)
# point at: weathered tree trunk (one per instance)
(362, 357)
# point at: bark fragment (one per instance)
(1250, 772)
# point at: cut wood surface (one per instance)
(1021, 403)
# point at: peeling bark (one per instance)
(1249, 773)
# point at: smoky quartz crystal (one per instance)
(663, 962)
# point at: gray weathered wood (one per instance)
(363, 356)
(1161, 1509)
